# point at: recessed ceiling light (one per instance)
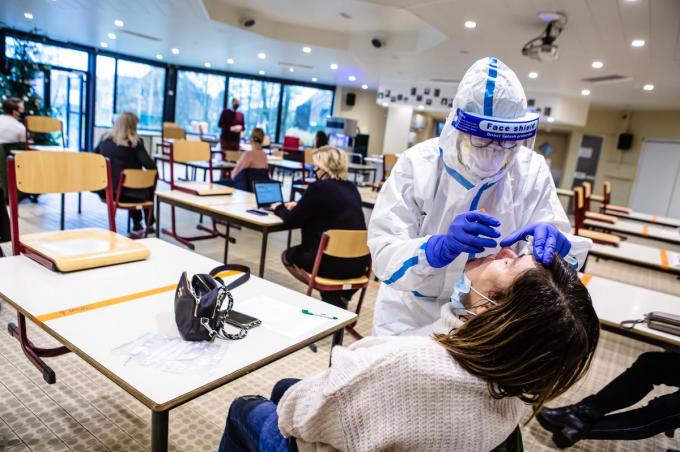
(550, 119)
(159, 56)
(638, 43)
(118, 23)
(230, 61)
(351, 78)
(291, 69)
(597, 64)
(420, 107)
(104, 44)
(585, 92)
(207, 64)
(385, 104)
(307, 49)
(533, 74)
(314, 79)
(648, 87)
(175, 51)
(262, 55)
(334, 66)
(28, 16)
(470, 24)
(364, 86)
(261, 72)
(111, 35)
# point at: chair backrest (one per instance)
(139, 179)
(389, 160)
(183, 151)
(231, 156)
(291, 142)
(346, 243)
(587, 192)
(254, 175)
(607, 193)
(43, 124)
(579, 209)
(37, 172)
(172, 131)
(309, 156)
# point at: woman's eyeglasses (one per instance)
(479, 142)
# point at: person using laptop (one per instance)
(267, 194)
(329, 203)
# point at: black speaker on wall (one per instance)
(625, 142)
(350, 99)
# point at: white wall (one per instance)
(370, 116)
(397, 128)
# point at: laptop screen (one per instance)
(267, 193)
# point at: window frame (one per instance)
(179, 69)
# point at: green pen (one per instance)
(318, 314)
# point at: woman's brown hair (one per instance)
(257, 135)
(537, 342)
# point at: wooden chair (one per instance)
(389, 160)
(587, 193)
(44, 124)
(184, 151)
(606, 204)
(231, 156)
(579, 218)
(51, 172)
(340, 244)
(137, 179)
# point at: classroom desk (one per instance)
(624, 227)
(615, 302)
(639, 255)
(194, 166)
(286, 166)
(368, 195)
(645, 218)
(356, 169)
(230, 209)
(145, 304)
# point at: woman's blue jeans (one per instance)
(252, 424)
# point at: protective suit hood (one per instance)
(487, 124)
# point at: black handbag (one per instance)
(200, 307)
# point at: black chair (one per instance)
(512, 444)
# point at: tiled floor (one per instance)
(85, 411)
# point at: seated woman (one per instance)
(589, 419)
(255, 159)
(329, 203)
(125, 150)
(525, 333)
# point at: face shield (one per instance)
(488, 123)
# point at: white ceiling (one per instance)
(425, 39)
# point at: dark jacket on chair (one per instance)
(126, 157)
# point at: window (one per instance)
(304, 111)
(259, 102)
(139, 89)
(48, 54)
(103, 109)
(200, 99)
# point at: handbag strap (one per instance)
(232, 267)
(630, 324)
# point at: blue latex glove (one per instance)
(463, 236)
(547, 240)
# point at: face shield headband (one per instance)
(491, 128)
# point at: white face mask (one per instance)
(462, 288)
(483, 162)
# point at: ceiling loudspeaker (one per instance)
(350, 99)
(625, 142)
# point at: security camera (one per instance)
(248, 22)
(377, 43)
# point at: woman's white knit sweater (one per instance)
(396, 393)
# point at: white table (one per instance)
(639, 255)
(652, 232)
(94, 333)
(615, 302)
(645, 218)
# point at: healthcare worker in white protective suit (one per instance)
(452, 198)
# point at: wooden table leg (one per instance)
(63, 206)
(158, 218)
(159, 431)
(263, 253)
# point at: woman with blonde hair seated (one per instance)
(331, 202)
(517, 333)
(125, 150)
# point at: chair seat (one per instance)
(601, 217)
(600, 237)
(614, 208)
(80, 249)
(131, 205)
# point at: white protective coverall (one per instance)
(431, 184)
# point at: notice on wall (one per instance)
(585, 153)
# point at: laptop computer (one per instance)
(267, 193)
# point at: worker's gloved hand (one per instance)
(463, 236)
(547, 240)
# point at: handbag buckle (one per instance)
(205, 323)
